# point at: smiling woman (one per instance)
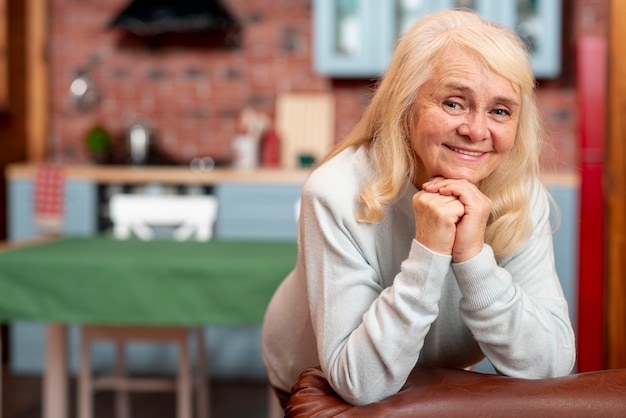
(425, 236)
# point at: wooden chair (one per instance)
(136, 213)
(183, 384)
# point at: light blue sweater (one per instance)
(367, 302)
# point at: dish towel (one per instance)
(49, 196)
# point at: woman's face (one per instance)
(466, 120)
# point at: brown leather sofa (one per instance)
(440, 392)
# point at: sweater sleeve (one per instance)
(516, 310)
(368, 338)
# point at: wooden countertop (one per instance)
(183, 175)
(166, 174)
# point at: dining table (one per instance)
(103, 280)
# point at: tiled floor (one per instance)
(21, 398)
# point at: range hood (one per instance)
(158, 18)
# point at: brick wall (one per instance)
(193, 97)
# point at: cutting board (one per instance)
(306, 125)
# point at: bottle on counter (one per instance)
(270, 149)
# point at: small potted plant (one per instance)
(99, 144)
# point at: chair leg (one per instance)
(203, 395)
(122, 401)
(85, 384)
(184, 379)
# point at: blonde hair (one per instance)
(385, 128)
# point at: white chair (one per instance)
(139, 213)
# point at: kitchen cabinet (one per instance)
(253, 204)
(80, 214)
(252, 211)
(355, 38)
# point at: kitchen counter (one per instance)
(166, 174)
(183, 175)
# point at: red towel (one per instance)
(49, 198)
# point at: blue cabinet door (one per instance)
(80, 211)
(344, 37)
(257, 211)
(20, 210)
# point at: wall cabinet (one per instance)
(355, 38)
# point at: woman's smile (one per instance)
(466, 152)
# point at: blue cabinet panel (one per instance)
(80, 214)
(253, 211)
(80, 208)
(566, 245)
(20, 210)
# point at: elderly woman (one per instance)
(424, 236)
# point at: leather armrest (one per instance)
(440, 392)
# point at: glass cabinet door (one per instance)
(348, 39)
(407, 12)
(343, 36)
(538, 23)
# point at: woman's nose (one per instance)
(474, 127)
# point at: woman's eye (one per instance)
(501, 112)
(451, 104)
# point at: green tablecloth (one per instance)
(161, 282)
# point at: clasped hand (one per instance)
(451, 217)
